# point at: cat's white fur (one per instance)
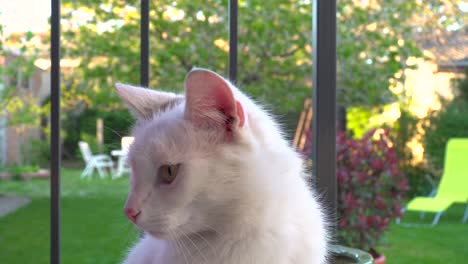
(242, 199)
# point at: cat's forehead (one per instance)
(166, 117)
(165, 138)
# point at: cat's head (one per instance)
(188, 152)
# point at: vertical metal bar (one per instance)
(144, 43)
(144, 47)
(55, 134)
(324, 101)
(233, 40)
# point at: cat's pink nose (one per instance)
(132, 214)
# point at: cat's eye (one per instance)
(168, 173)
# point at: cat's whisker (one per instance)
(156, 221)
(172, 241)
(207, 242)
(181, 246)
(176, 243)
(195, 245)
(182, 241)
(112, 130)
(210, 228)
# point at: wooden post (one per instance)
(100, 134)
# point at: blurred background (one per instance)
(401, 85)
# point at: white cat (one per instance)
(214, 181)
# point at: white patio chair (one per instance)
(99, 162)
(122, 166)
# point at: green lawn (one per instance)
(94, 229)
(445, 243)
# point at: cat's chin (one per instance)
(164, 235)
(160, 235)
(173, 235)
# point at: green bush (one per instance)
(402, 132)
(419, 185)
(83, 127)
(451, 121)
(17, 170)
(40, 152)
(116, 125)
(35, 151)
(461, 84)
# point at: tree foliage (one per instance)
(185, 34)
(274, 46)
(18, 107)
(375, 41)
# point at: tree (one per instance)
(374, 42)
(186, 34)
(20, 107)
(275, 48)
(17, 107)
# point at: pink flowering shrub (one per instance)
(370, 188)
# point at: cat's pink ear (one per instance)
(211, 102)
(142, 102)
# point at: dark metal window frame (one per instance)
(55, 150)
(324, 100)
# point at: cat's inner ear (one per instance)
(211, 102)
(144, 103)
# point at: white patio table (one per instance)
(121, 155)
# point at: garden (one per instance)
(402, 93)
(87, 204)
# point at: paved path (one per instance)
(9, 204)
